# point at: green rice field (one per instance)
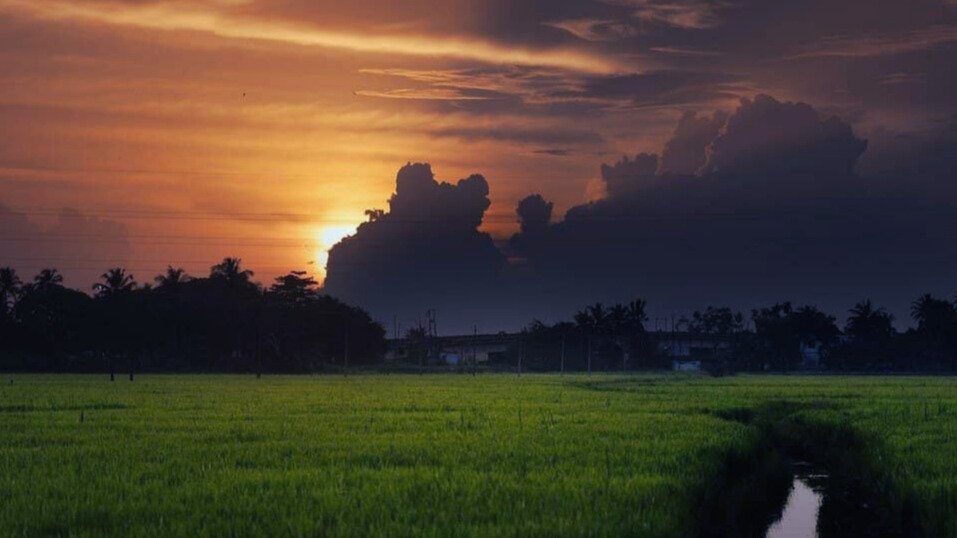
(448, 455)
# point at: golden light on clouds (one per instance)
(214, 19)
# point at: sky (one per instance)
(144, 133)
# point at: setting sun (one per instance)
(327, 237)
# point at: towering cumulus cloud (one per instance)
(424, 253)
(775, 211)
(743, 209)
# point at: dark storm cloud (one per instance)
(779, 214)
(629, 175)
(767, 137)
(80, 246)
(686, 151)
(927, 159)
(425, 252)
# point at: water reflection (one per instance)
(800, 515)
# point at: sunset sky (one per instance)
(264, 128)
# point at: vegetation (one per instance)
(227, 322)
(779, 338)
(222, 323)
(442, 455)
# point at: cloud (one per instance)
(642, 16)
(425, 252)
(554, 152)
(597, 30)
(626, 175)
(663, 87)
(435, 94)
(535, 90)
(879, 45)
(80, 246)
(759, 205)
(534, 214)
(686, 151)
(216, 19)
(687, 14)
(766, 136)
(778, 212)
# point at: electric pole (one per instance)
(562, 365)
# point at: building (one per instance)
(474, 348)
(688, 351)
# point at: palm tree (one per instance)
(866, 320)
(932, 313)
(871, 331)
(47, 278)
(10, 287)
(230, 271)
(172, 278)
(115, 282)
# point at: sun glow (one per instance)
(328, 236)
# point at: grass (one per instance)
(435, 455)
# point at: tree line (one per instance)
(779, 337)
(226, 322)
(223, 322)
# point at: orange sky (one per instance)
(265, 129)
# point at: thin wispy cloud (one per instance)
(434, 94)
(879, 45)
(214, 19)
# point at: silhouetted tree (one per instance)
(870, 339)
(936, 333)
(54, 321)
(231, 272)
(719, 325)
(294, 288)
(222, 323)
(47, 278)
(172, 279)
(782, 333)
(116, 281)
(615, 335)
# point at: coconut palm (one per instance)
(47, 278)
(867, 322)
(115, 282)
(172, 278)
(932, 313)
(230, 271)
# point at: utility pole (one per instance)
(433, 332)
(589, 355)
(562, 364)
(521, 353)
(474, 364)
(345, 357)
(259, 355)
